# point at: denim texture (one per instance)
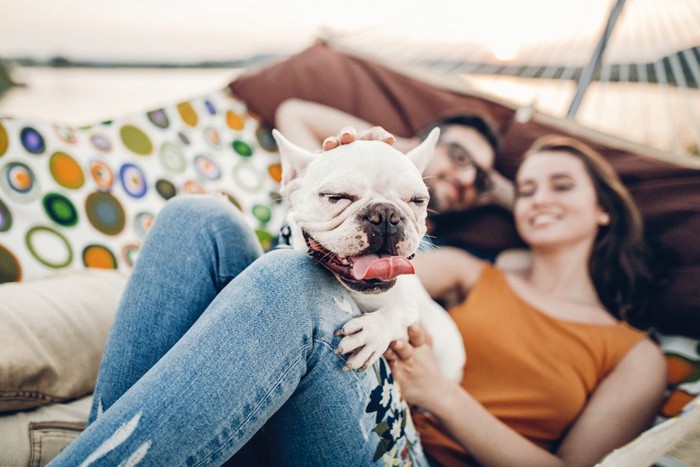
(214, 341)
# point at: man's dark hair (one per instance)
(477, 122)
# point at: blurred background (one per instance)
(629, 68)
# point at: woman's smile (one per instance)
(544, 219)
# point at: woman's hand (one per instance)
(414, 368)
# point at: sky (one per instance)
(186, 30)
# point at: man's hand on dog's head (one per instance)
(349, 134)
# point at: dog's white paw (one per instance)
(366, 339)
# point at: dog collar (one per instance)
(285, 236)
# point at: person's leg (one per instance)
(263, 347)
(196, 245)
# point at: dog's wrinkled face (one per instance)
(358, 209)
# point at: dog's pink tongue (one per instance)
(384, 268)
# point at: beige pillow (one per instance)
(52, 333)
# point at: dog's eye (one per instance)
(419, 200)
(335, 197)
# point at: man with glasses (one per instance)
(461, 176)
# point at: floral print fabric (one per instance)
(399, 443)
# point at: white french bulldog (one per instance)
(360, 210)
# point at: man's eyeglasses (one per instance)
(462, 159)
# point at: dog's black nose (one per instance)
(380, 213)
(384, 226)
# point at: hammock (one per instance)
(666, 188)
(636, 75)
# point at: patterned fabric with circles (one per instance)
(85, 197)
(683, 363)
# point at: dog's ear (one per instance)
(294, 159)
(421, 154)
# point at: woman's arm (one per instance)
(444, 269)
(623, 405)
(307, 123)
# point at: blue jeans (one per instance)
(213, 342)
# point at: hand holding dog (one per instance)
(414, 368)
(368, 336)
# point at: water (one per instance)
(80, 96)
(663, 118)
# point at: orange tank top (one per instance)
(532, 371)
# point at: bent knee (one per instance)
(296, 269)
(306, 286)
(207, 209)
